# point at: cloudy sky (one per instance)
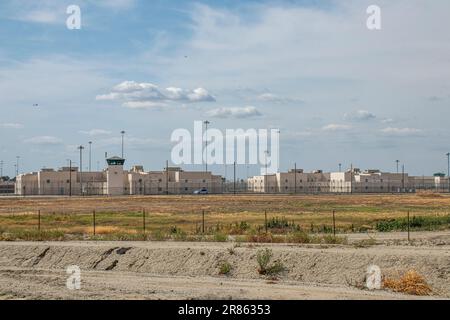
(338, 92)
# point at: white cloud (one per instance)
(360, 115)
(44, 140)
(115, 4)
(143, 105)
(11, 125)
(96, 132)
(147, 95)
(336, 127)
(240, 113)
(401, 131)
(387, 120)
(271, 97)
(132, 142)
(42, 16)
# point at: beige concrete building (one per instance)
(172, 181)
(352, 181)
(294, 181)
(115, 181)
(6, 187)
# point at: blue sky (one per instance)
(338, 92)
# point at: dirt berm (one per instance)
(341, 266)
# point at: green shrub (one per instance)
(298, 237)
(225, 268)
(33, 235)
(416, 223)
(264, 257)
(220, 237)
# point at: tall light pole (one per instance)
(448, 170)
(403, 177)
(397, 161)
(266, 153)
(70, 177)
(295, 177)
(123, 136)
(90, 159)
(206, 123)
(81, 169)
(17, 165)
(1, 169)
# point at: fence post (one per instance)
(39, 220)
(203, 221)
(93, 215)
(334, 223)
(409, 238)
(143, 221)
(265, 220)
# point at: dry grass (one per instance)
(410, 283)
(225, 214)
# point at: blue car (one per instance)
(201, 191)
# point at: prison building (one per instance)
(115, 181)
(316, 182)
(173, 180)
(6, 187)
(294, 181)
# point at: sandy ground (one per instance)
(180, 270)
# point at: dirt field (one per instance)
(428, 203)
(173, 270)
(354, 213)
(315, 264)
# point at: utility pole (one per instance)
(81, 169)
(123, 136)
(265, 178)
(351, 178)
(403, 177)
(397, 161)
(295, 177)
(167, 177)
(70, 178)
(206, 144)
(234, 178)
(90, 159)
(17, 165)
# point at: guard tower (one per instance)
(114, 176)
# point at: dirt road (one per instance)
(174, 270)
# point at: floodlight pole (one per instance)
(265, 180)
(17, 165)
(206, 144)
(81, 169)
(90, 159)
(448, 171)
(70, 178)
(295, 177)
(123, 136)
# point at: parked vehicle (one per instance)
(201, 191)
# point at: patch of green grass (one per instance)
(32, 235)
(416, 223)
(220, 237)
(298, 237)
(225, 268)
